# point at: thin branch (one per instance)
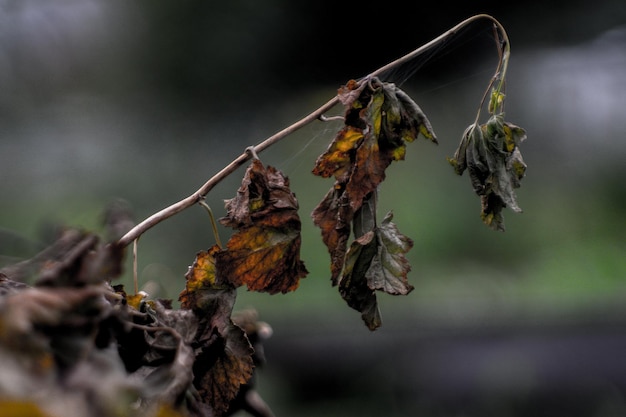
(216, 234)
(318, 114)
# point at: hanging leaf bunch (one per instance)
(490, 153)
(379, 120)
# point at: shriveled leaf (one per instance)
(349, 93)
(264, 199)
(118, 219)
(389, 267)
(49, 257)
(375, 262)
(353, 286)
(333, 216)
(265, 252)
(223, 355)
(200, 278)
(490, 153)
(373, 156)
(416, 120)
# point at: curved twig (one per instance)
(318, 114)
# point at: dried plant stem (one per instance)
(318, 114)
(135, 277)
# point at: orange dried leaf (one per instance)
(338, 158)
(264, 259)
(200, 276)
(265, 252)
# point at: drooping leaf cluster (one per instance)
(490, 154)
(379, 120)
(73, 345)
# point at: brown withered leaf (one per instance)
(223, 362)
(264, 259)
(264, 254)
(490, 153)
(333, 216)
(263, 199)
(339, 157)
(223, 366)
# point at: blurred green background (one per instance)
(144, 101)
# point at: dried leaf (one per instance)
(199, 278)
(169, 355)
(389, 267)
(223, 362)
(264, 199)
(265, 252)
(333, 216)
(378, 121)
(490, 153)
(223, 366)
(376, 262)
(264, 259)
(353, 286)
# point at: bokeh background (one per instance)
(108, 100)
